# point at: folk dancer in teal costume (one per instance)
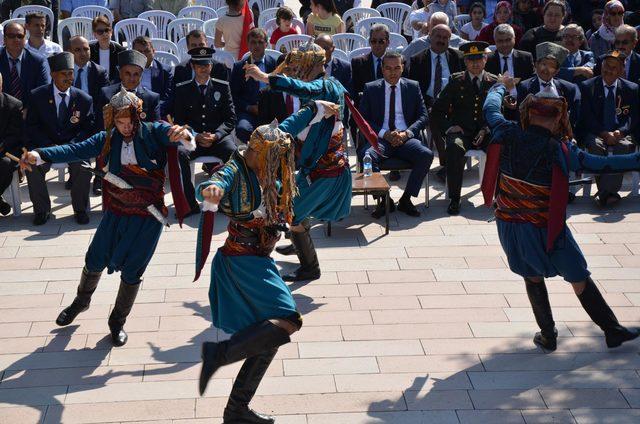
(249, 299)
(132, 154)
(527, 171)
(324, 179)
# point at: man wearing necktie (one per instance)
(609, 120)
(59, 114)
(507, 59)
(458, 112)
(579, 64)
(205, 105)
(245, 91)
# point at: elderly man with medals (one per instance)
(323, 179)
(527, 173)
(131, 157)
(249, 298)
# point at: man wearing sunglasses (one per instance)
(625, 42)
(21, 70)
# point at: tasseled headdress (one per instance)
(301, 61)
(548, 105)
(122, 105)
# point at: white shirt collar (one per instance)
(76, 67)
(604, 86)
(387, 86)
(540, 82)
(434, 55)
(508, 56)
(57, 92)
(20, 57)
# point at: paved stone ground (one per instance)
(425, 325)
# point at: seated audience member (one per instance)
(626, 41)
(609, 119)
(184, 71)
(601, 41)
(517, 63)
(448, 7)
(245, 91)
(432, 69)
(457, 112)
(204, 104)
(395, 109)
(525, 16)
(59, 113)
(553, 14)
(228, 33)
(36, 25)
(368, 67)
(156, 77)
(284, 17)
(88, 76)
(68, 6)
(22, 70)
(131, 65)
(104, 51)
(579, 63)
(550, 56)
(596, 22)
(418, 45)
(124, 9)
(11, 141)
(502, 15)
(335, 67)
(173, 6)
(471, 29)
(324, 19)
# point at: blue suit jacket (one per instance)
(593, 98)
(634, 68)
(566, 89)
(42, 127)
(341, 70)
(566, 70)
(372, 105)
(150, 103)
(97, 78)
(161, 83)
(245, 92)
(34, 72)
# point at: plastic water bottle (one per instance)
(367, 165)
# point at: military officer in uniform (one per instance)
(204, 103)
(458, 112)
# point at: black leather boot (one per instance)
(309, 268)
(246, 343)
(287, 250)
(245, 386)
(539, 298)
(124, 302)
(600, 313)
(88, 283)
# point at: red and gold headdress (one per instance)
(122, 105)
(301, 61)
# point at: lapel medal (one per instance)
(143, 115)
(216, 96)
(75, 117)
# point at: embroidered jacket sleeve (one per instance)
(74, 152)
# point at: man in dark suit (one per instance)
(334, 67)
(609, 120)
(105, 51)
(626, 41)
(368, 67)
(11, 140)
(21, 70)
(184, 71)
(517, 63)
(579, 64)
(204, 104)
(88, 75)
(245, 91)
(458, 112)
(156, 77)
(396, 111)
(432, 68)
(131, 64)
(549, 57)
(59, 114)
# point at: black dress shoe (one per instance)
(405, 205)
(379, 211)
(441, 174)
(82, 218)
(5, 208)
(41, 218)
(454, 207)
(286, 250)
(394, 175)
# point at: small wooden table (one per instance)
(376, 184)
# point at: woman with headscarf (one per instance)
(502, 15)
(601, 41)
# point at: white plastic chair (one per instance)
(209, 27)
(12, 21)
(397, 41)
(166, 58)
(179, 28)
(266, 15)
(289, 42)
(214, 4)
(183, 51)
(79, 25)
(162, 45)
(92, 12)
(359, 52)
(222, 11)
(225, 58)
(341, 55)
(267, 52)
(16, 198)
(160, 19)
(348, 42)
(203, 13)
(460, 20)
(265, 4)
(397, 12)
(365, 25)
(271, 26)
(23, 11)
(202, 159)
(134, 27)
(359, 13)
(482, 160)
